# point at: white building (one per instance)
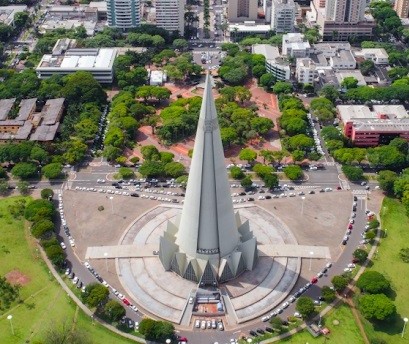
(65, 60)
(275, 64)
(283, 15)
(341, 75)
(170, 15)
(7, 13)
(306, 71)
(157, 78)
(123, 14)
(379, 56)
(343, 60)
(242, 10)
(294, 45)
(236, 30)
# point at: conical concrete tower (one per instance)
(209, 244)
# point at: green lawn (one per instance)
(387, 262)
(45, 303)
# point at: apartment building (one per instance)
(275, 64)
(123, 14)
(283, 15)
(242, 10)
(170, 15)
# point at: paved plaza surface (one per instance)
(322, 223)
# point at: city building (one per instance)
(341, 19)
(237, 31)
(283, 15)
(123, 14)
(7, 13)
(208, 243)
(295, 45)
(306, 71)
(341, 75)
(65, 59)
(366, 127)
(379, 56)
(28, 124)
(275, 63)
(343, 60)
(157, 78)
(402, 8)
(170, 15)
(242, 10)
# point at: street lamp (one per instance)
(311, 254)
(112, 203)
(10, 317)
(405, 321)
(302, 205)
(106, 260)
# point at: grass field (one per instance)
(387, 262)
(45, 303)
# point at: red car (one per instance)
(355, 260)
(350, 226)
(125, 301)
(314, 280)
(339, 188)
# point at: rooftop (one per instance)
(5, 107)
(27, 107)
(377, 52)
(355, 73)
(247, 27)
(270, 52)
(385, 126)
(362, 113)
(45, 132)
(52, 110)
(7, 13)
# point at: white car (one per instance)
(87, 265)
(351, 265)
(133, 307)
(75, 280)
(63, 246)
(72, 242)
(105, 284)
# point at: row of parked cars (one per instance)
(297, 294)
(209, 324)
(64, 224)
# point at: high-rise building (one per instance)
(170, 15)
(402, 8)
(208, 243)
(123, 14)
(242, 10)
(345, 11)
(283, 15)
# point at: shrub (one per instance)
(41, 207)
(126, 173)
(404, 254)
(328, 294)
(305, 306)
(47, 193)
(360, 254)
(339, 282)
(237, 173)
(55, 254)
(42, 227)
(376, 307)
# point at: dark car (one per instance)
(253, 333)
(118, 187)
(322, 190)
(312, 192)
(344, 242)
(355, 198)
(261, 331)
(133, 194)
(250, 199)
(268, 197)
(242, 193)
(99, 278)
(269, 329)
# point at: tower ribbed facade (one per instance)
(123, 14)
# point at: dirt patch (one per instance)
(17, 277)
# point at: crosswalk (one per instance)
(359, 192)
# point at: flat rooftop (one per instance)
(81, 59)
(45, 132)
(354, 73)
(270, 52)
(363, 113)
(51, 111)
(5, 106)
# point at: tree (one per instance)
(386, 180)
(156, 330)
(37, 207)
(55, 254)
(328, 294)
(293, 172)
(282, 87)
(376, 307)
(262, 170)
(305, 306)
(174, 169)
(329, 92)
(367, 67)
(52, 171)
(95, 294)
(301, 142)
(267, 80)
(261, 125)
(47, 193)
(373, 282)
(339, 283)
(65, 333)
(81, 87)
(180, 44)
(126, 172)
(166, 157)
(374, 223)
(349, 82)
(152, 169)
(246, 182)
(236, 173)
(24, 170)
(271, 181)
(228, 135)
(39, 154)
(150, 152)
(294, 126)
(353, 173)
(4, 188)
(114, 310)
(42, 227)
(22, 187)
(404, 254)
(248, 155)
(360, 254)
